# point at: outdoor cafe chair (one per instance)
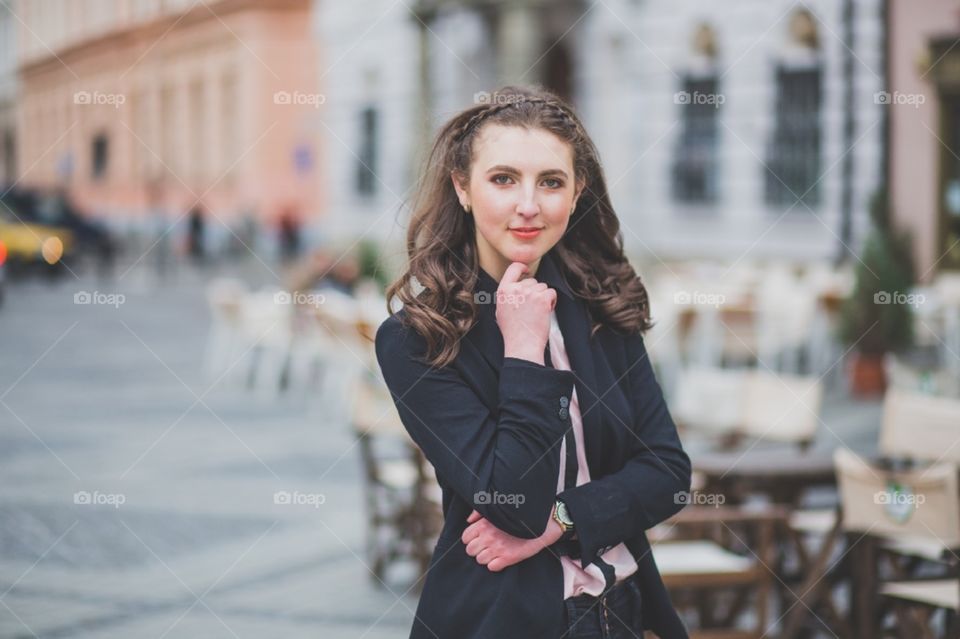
(716, 562)
(730, 405)
(402, 496)
(920, 427)
(921, 504)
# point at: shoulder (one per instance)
(396, 341)
(393, 332)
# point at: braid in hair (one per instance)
(474, 122)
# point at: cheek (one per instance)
(558, 216)
(495, 202)
(492, 211)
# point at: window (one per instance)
(198, 129)
(695, 156)
(9, 158)
(793, 151)
(793, 154)
(367, 162)
(168, 130)
(228, 121)
(100, 156)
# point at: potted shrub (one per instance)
(875, 320)
(371, 264)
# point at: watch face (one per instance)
(562, 513)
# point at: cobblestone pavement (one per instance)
(109, 404)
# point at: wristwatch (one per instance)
(562, 517)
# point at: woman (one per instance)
(518, 367)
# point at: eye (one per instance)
(553, 183)
(501, 178)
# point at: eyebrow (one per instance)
(503, 168)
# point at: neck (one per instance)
(497, 265)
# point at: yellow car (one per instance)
(28, 243)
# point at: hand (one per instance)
(523, 314)
(496, 549)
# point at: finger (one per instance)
(552, 294)
(474, 547)
(474, 516)
(469, 534)
(497, 564)
(513, 273)
(485, 556)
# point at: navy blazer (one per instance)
(492, 426)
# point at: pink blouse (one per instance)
(578, 580)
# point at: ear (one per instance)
(459, 186)
(578, 192)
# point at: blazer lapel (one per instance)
(574, 323)
(482, 348)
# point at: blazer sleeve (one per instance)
(611, 509)
(506, 465)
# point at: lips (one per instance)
(526, 232)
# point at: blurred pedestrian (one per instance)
(196, 233)
(289, 235)
(160, 230)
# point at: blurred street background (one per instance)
(202, 201)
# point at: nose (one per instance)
(528, 206)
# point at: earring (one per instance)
(466, 207)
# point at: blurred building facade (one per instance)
(369, 54)
(924, 108)
(726, 129)
(132, 104)
(9, 87)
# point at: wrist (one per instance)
(526, 353)
(553, 533)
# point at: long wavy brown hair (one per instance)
(437, 288)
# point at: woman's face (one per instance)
(521, 192)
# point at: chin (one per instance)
(525, 254)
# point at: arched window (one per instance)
(695, 167)
(793, 151)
